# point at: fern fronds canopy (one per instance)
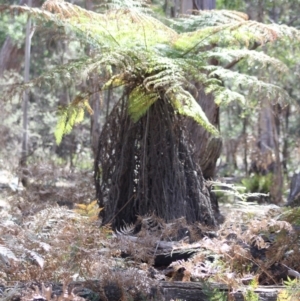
(156, 61)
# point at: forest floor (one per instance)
(50, 233)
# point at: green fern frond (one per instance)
(115, 25)
(252, 57)
(115, 81)
(235, 34)
(184, 103)
(114, 28)
(141, 5)
(234, 30)
(140, 101)
(163, 79)
(69, 116)
(207, 18)
(224, 96)
(60, 126)
(248, 83)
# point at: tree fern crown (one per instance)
(163, 60)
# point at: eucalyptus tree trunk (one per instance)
(95, 102)
(12, 55)
(268, 158)
(186, 6)
(24, 154)
(204, 4)
(95, 124)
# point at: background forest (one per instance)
(44, 164)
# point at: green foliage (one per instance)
(186, 105)
(250, 295)
(13, 28)
(155, 61)
(213, 294)
(231, 191)
(139, 102)
(258, 183)
(69, 116)
(291, 215)
(291, 290)
(231, 4)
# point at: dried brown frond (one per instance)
(66, 9)
(47, 294)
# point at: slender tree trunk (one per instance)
(95, 124)
(204, 4)
(11, 55)
(166, 7)
(89, 4)
(277, 187)
(186, 6)
(285, 148)
(269, 126)
(267, 159)
(245, 136)
(24, 154)
(95, 102)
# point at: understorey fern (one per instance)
(163, 61)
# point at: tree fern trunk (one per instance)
(149, 167)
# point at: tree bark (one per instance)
(266, 158)
(186, 6)
(204, 4)
(95, 124)
(10, 56)
(24, 154)
(148, 167)
(268, 152)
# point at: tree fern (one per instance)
(154, 60)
